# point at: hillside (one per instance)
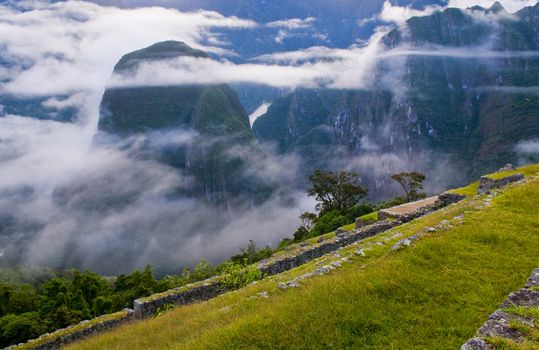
(192, 128)
(433, 293)
(464, 101)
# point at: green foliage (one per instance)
(411, 183)
(27, 311)
(357, 211)
(237, 275)
(15, 329)
(251, 254)
(301, 233)
(328, 222)
(285, 242)
(163, 309)
(308, 220)
(335, 191)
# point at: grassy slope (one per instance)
(433, 295)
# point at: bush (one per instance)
(19, 328)
(328, 222)
(251, 254)
(357, 211)
(300, 234)
(236, 275)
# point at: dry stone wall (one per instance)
(499, 322)
(144, 308)
(74, 333)
(487, 184)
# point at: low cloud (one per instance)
(69, 47)
(400, 14)
(109, 209)
(528, 147)
(293, 23)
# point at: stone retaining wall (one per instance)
(487, 184)
(208, 289)
(499, 322)
(345, 238)
(75, 333)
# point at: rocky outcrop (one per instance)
(499, 323)
(487, 184)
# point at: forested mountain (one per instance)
(210, 117)
(466, 99)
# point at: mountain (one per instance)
(204, 121)
(473, 110)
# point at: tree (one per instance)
(411, 183)
(308, 220)
(336, 191)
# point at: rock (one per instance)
(396, 235)
(320, 240)
(282, 285)
(524, 297)
(533, 281)
(304, 244)
(336, 264)
(340, 233)
(507, 167)
(263, 294)
(401, 244)
(430, 229)
(475, 344)
(360, 252)
(486, 184)
(447, 198)
(497, 325)
(321, 270)
(293, 283)
(414, 237)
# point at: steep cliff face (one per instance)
(210, 118)
(471, 97)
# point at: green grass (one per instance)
(527, 170)
(370, 217)
(532, 312)
(471, 189)
(432, 295)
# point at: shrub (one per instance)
(236, 275)
(328, 222)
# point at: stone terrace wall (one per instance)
(201, 291)
(487, 184)
(345, 238)
(498, 323)
(74, 333)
